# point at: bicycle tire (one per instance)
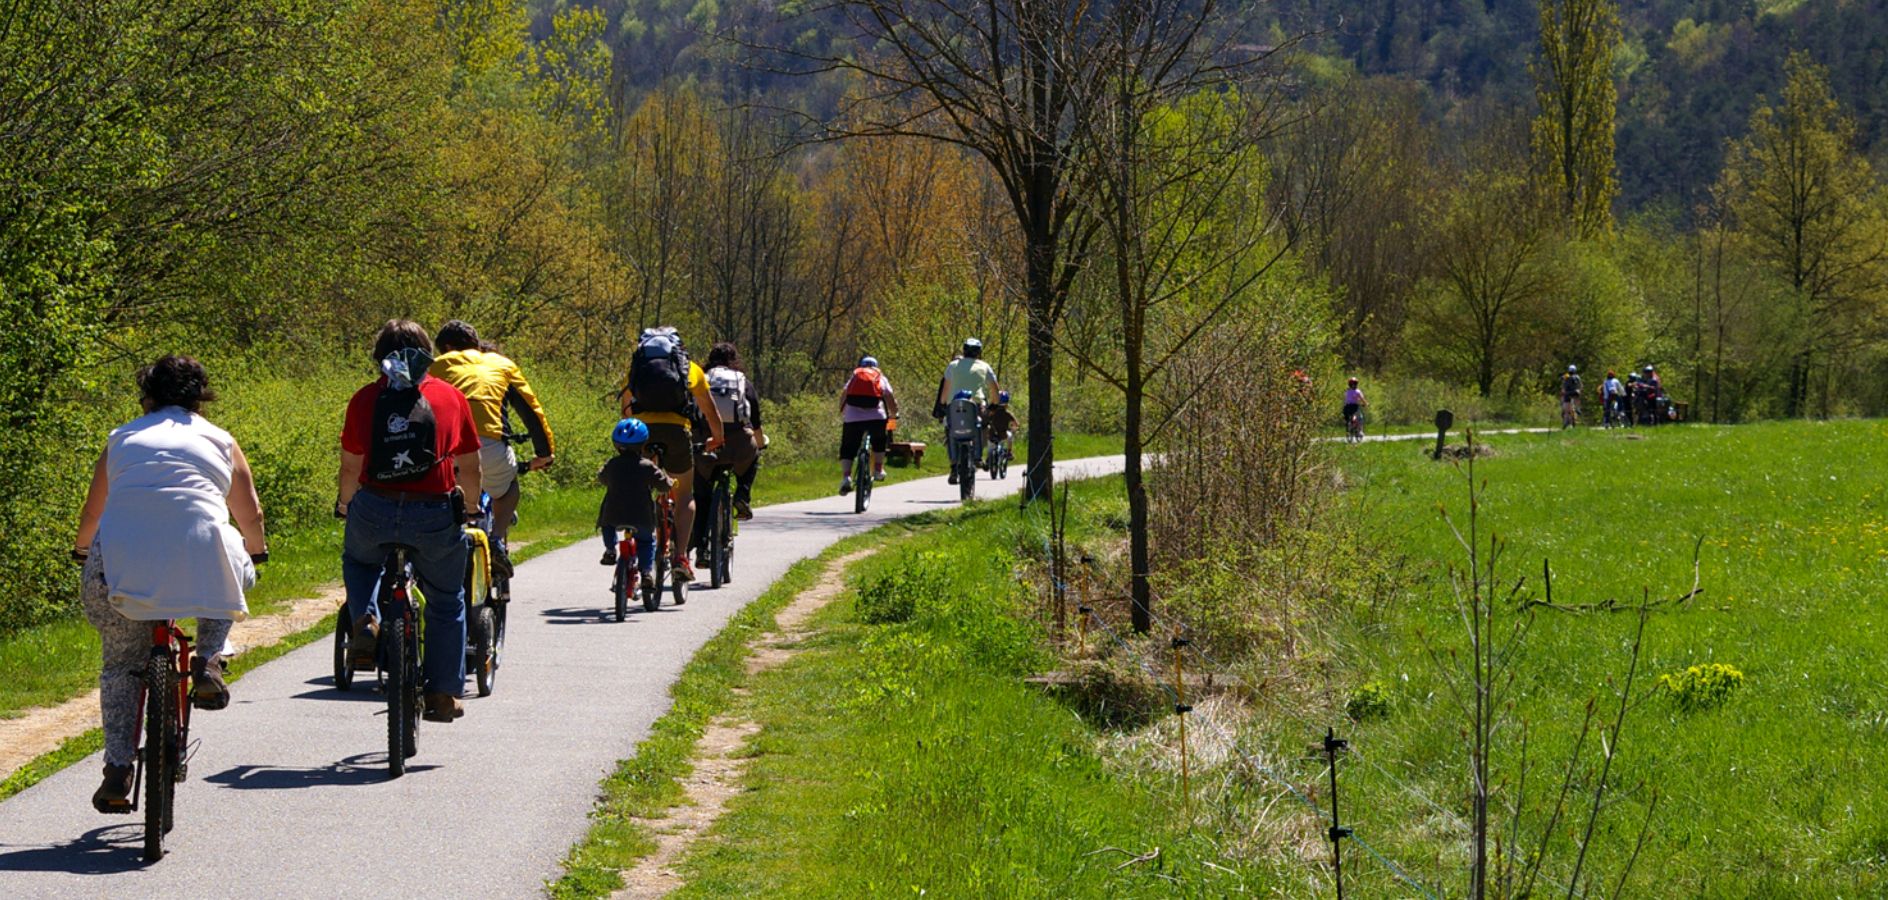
(651, 603)
(967, 472)
(399, 692)
(724, 549)
(651, 595)
(485, 677)
(621, 589)
(160, 735)
(716, 538)
(679, 590)
(343, 646)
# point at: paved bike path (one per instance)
(288, 792)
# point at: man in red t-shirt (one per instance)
(397, 488)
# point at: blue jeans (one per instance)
(429, 528)
(645, 546)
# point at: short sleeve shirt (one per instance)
(967, 374)
(454, 433)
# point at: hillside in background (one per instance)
(1690, 71)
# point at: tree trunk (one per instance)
(1140, 591)
(1039, 479)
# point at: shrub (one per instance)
(1702, 687)
(1370, 700)
(893, 596)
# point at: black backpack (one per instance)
(658, 374)
(403, 445)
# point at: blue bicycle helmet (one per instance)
(1003, 397)
(868, 362)
(963, 395)
(630, 432)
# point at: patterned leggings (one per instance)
(127, 646)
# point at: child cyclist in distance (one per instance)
(630, 481)
(1354, 402)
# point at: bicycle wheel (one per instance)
(160, 751)
(399, 692)
(967, 472)
(679, 590)
(715, 540)
(343, 641)
(485, 649)
(724, 548)
(651, 594)
(625, 567)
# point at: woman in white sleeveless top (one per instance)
(157, 543)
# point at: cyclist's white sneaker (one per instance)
(845, 486)
(878, 476)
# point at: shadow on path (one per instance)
(108, 850)
(366, 768)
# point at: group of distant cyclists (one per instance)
(426, 447)
(868, 410)
(1639, 400)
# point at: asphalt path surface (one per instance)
(288, 794)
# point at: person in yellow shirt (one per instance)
(669, 401)
(495, 387)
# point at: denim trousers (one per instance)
(430, 528)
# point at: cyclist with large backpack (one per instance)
(866, 405)
(408, 447)
(668, 391)
(967, 372)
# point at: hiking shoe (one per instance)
(363, 644)
(683, 572)
(609, 557)
(501, 560)
(114, 796)
(443, 707)
(741, 510)
(207, 689)
(953, 476)
(845, 486)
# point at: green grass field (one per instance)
(901, 753)
(1781, 791)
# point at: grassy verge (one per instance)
(1775, 792)
(901, 753)
(650, 781)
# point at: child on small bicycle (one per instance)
(1354, 403)
(999, 424)
(630, 481)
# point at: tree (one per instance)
(1002, 79)
(1573, 132)
(1178, 182)
(1807, 206)
(1490, 248)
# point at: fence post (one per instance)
(1082, 608)
(1180, 708)
(1332, 744)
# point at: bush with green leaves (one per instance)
(1371, 700)
(1702, 687)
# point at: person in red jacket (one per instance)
(407, 445)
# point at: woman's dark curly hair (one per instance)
(724, 355)
(176, 381)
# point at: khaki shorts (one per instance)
(678, 450)
(498, 467)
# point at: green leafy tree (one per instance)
(1807, 206)
(1573, 131)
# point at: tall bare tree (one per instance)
(1002, 79)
